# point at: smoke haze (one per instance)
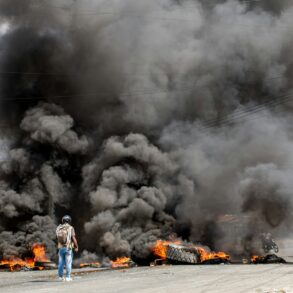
(143, 119)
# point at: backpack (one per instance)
(63, 233)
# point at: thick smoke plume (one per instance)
(145, 119)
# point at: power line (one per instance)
(205, 129)
(145, 91)
(242, 114)
(33, 74)
(148, 91)
(241, 87)
(238, 114)
(55, 73)
(246, 113)
(133, 93)
(268, 103)
(252, 117)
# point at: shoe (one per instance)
(61, 279)
(68, 279)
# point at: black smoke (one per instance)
(144, 119)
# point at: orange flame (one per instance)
(39, 252)
(120, 262)
(15, 263)
(160, 250)
(254, 258)
(91, 264)
(160, 247)
(205, 255)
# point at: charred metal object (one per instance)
(182, 254)
(268, 259)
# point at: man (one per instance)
(66, 242)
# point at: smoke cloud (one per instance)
(145, 119)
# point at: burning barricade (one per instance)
(171, 252)
(90, 265)
(120, 262)
(267, 259)
(181, 252)
(16, 264)
(39, 261)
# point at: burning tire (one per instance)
(46, 265)
(182, 254)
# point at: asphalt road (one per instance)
(212, 278)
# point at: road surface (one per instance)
(161, 279)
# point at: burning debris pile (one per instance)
(90, 265)
(118, 263)
(122, 262)
(180, 252)
(38, 262)
(267, 259)
(139, 127)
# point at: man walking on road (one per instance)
(66, 242)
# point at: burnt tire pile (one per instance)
(269, 259)
(182, 254)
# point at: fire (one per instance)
(160, 247)
(205, 255)
(15, 263)
(254, 258)
(120, 262)
(39, 252)
(92, 264)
